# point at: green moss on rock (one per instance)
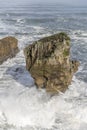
(61, 36)
(66, 52)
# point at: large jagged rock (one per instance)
(49, 62)
(8, 48)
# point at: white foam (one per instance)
(24, 106)
(37, 27)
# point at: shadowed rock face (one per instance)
(49, 64)
(8, 48)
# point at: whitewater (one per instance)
(22, 105)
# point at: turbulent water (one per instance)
(22, 106)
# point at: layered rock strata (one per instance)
(48, 61)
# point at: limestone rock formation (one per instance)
(8, 48)
(48, 61)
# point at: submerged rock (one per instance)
(48, 61)
(8, 48)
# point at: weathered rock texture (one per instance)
(8, 48)
(49, 64)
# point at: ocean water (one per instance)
(22, 105)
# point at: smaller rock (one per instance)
(8, 48)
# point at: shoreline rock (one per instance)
(8, 48)
(48, 61)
